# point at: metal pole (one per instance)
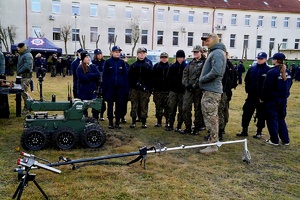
(256, 42)
(75, 31)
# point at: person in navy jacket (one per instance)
(253, 85)
(275, 91)
(87, 79)
(115, 86)
(74, 66)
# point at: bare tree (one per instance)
(97, 41)
(135, 34)
(39, 34)
(82, 41)
(66, 34)
(4, 37)
(278, 47)
(11, 34)
(112, 40)
(244, 54)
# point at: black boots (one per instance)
(159, 121)
(133, 124)
(118, 124)
(143, 122)
(244, 133)
(111, 124)
(221, 131)
(169, 127)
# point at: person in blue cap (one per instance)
(253, 85)
(99, 62)
(74, 66)
(275, 91)
(115, 86)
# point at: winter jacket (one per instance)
(174, 77)
(74, 66)
(87, 83)
(274, 87)
(254, 79)
(25, 64)
(2, 63)
(99, 64)
(213, 69)
(160, 71)
(141, 76)
(191, 73)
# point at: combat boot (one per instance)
(124, 120)
(169, 127)
(221, 134)
(258, 133)
(158, 124)
(244, 133)
(133, 124)
(144, 123)
(209, 149)
(195, 131)
(178, 128)
(111, 124)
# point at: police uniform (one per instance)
(74, 66)
(140, 83)
(275, 91)
(161, 90)
(253, 85)
(100, 64)
(115, 87)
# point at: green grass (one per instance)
(185, 174)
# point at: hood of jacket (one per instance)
(219, 45)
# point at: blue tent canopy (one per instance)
(41, 45)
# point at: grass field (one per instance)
(273, 173)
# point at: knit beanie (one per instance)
(180, 54)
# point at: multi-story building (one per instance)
(245, 27)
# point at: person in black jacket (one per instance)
(160, 88)
(140, 83)
(99, 62)
(177, 89)
(253, 85)
(115, 86)
(74, 66)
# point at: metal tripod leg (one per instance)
(41, 190)
(20, 188)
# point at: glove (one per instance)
(189, 88)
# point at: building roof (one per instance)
(260, 5)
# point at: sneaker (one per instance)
(286, 144)
(132, 125)
(195, 132)
(144, 126)
(268, 141)
(178, 130)
(257, 136)
(209, 149)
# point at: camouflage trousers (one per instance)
(223, 111)
(210, 104)
(53, 70)
(136, 97)
(161, 104)
(175, 102)
(190, 98)
(26, 84)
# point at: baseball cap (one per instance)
(197, 48)
(97, 51)
(116, 48)
(122, 55)
(163, 54)
(278, 56)
(141, 49)
(79, 50)
(262, 55)
(209, 35)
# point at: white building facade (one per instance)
(163, 27)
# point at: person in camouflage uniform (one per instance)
(24, 69)
(174, 78)
(210, 82)
(140, 84)
(193, 94)
(160, 88)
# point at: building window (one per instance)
(93, 10)
(296, 43)
(271, 43)
(233, 19)
(36, 31)
(56, 7)
(205, 17)
(144, 37)
(284, 43)
(220, 37)
(75, 35)
(111, 11)
(286, 22)
(273, 22)
(175, 38)
(176, 16)
(36, 6)
(260, 21)
(246, 41)
(56, 33)
(128, 36)
(232, 40)
(160, 37)
(111, 35)
(247, 20)
(145, 14)
(93, 34)
(220, 18)
(191, 16)
(298, 23)
(190, 39)
(258, 42)
(160, 14)
(128, 12)
(75, 8)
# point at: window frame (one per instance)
(284, 43)
(259, 41)
(191, 17)
(160, 37)
(111, 11)
(286, 22)
(128, 10)
(233, 19)
(111, 33)
(190, 39)
(56, 3)
(128, 36)
(205, 19)
(160, 15)
(145, 15)
(296, 46)
(175, 41)
(75, 5)
(260, 21)
(36, 3)
(93, 7)
(55, 32)
(273, 21)
(232, 40)
(75, 34)
(93, 34)
(247, 20)
(144, 36)
(246, 41)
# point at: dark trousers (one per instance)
(116, 98)
(275, 115)
(251, 104)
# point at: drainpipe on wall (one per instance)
(26, 18)
(213, 21)
(153, 19)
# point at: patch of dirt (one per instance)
(117, 139)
